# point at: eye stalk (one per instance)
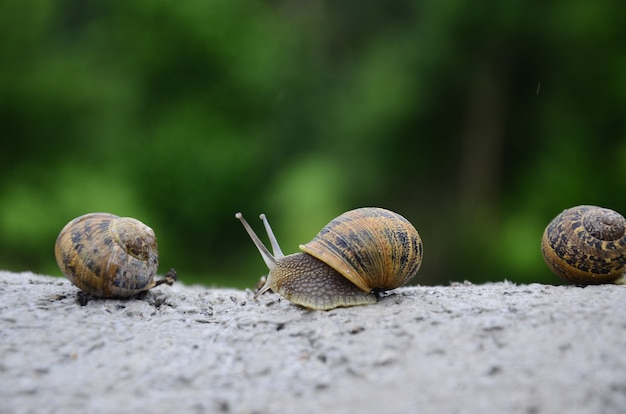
(268, 258)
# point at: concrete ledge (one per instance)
(448, 349)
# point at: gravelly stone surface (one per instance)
(456, 349)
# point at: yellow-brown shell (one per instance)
(374, 248)
(108, 256)
(586, 245)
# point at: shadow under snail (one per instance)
(586, 245)
(108, 256)
(355, 256)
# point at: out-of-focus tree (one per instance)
(478, 122)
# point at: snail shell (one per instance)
(586, 245)
(360, 252)
(108, 256)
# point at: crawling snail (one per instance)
(358, 254)
(586, 245)
(109, 256)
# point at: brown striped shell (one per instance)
(374, 248)
(586, 245)
(108, 256)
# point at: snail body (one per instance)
(361, 252)
(586, 245)
(109, 256)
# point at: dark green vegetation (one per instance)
(479, 122)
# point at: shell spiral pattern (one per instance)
(586, 245)
(374, 248)
(108, 256)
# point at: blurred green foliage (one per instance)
(479, 122)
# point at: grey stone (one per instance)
(462, 348)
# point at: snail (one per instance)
(358, 254)
(586, 245)
(109, 256)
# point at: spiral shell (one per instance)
(374, 248)
(586, 245)
(108, 256)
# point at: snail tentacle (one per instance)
(273, 241)
(269, 260)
